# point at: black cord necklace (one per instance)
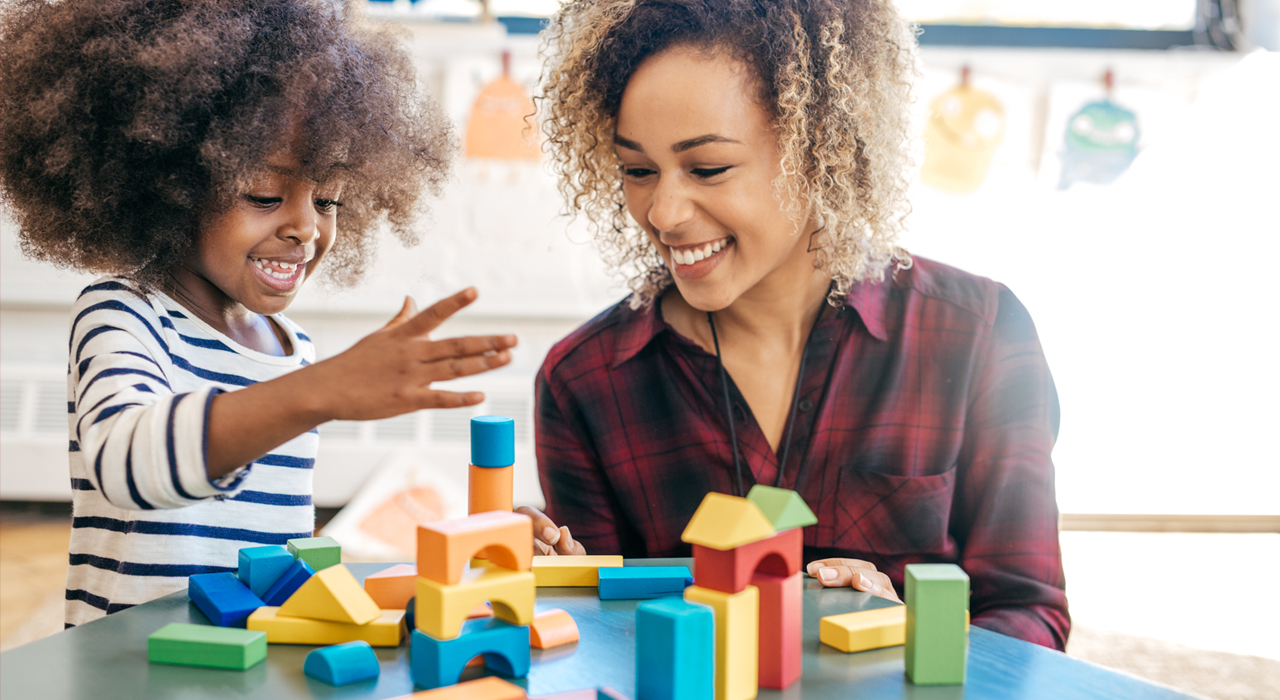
(795, 402)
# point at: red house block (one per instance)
(730, 570)
(781, 624)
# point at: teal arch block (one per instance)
(342, 664)
(436, 663)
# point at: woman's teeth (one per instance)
(278, 270)
(689, 256)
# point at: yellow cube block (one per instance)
(865, 629)
(737, 657)
(386, 631)
(440, 608)
(572, 570)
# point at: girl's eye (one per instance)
(705, 173)
(262, 202)
(327, 205)
(637, 173)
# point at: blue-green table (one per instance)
(107, 659)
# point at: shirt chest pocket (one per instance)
(893, 515)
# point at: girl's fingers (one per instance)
(444, 370)
(407, 311)
(430, 398)
(466, 347)
(438, 312)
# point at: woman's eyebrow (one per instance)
(680, 147)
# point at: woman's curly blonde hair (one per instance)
(835, 74)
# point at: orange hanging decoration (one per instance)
(497, 128)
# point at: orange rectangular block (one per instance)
(392, 588)
(487, 688)
(445, 548)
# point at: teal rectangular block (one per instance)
(203, 645)
(675, 650)
(937, 645)
(318, 552)
(261, 567)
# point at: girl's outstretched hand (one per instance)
(391, 371)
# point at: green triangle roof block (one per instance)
(784, 508)
(726, 522)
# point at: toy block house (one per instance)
(748, 569)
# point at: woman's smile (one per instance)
(690, 262)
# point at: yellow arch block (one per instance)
(737, 649)
(440, 608)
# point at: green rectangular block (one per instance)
(318, 552)
(206, 645)
(937, 644)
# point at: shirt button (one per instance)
(806, 405)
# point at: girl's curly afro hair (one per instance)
(834, 74)
(124, 123)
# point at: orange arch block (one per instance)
(552, 628)
(445, 548)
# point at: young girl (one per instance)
(777, 334)
(210, 155)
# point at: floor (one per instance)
(1226, 650)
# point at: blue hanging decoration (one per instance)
(1101, 142)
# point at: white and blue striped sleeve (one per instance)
(143, 445)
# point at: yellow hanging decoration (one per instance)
(964, 129)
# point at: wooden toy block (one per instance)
(490, 489)
(386, 631)
(552, 628)
(288, 583)
(435, 663)
(781, 627)
(440, 609)
(572, 570)
(445, 548)
(222, 598)
(408, 615)
(260, 567)
(737, 639)
(487, 688)
(493, 442)
(318, 552)
(724, 522)
(332, 594)
(731, 570)
(202, 645)
(632, 582)
(675, 650)
(783, 508)
(937, 646)
(605, 693)
(481, 610)
(342, 664)
(392, 588)
(865, 629)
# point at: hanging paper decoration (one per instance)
(1101, 142)
(497, 127)
(964, 128)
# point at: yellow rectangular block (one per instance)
(572, 570)
(737, 657)
(439, 609)
(865, 629)
(386, 631)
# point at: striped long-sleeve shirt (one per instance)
(142, 372)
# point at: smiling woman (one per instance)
(744, 164)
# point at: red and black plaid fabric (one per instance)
(928, 414)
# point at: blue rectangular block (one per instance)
(675, 650)
(260, 567)
(222, 598)
(631, 582)
(291, 580)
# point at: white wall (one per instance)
(1153, 308)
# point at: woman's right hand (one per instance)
(390, 372)
(549, 540)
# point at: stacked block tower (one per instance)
(747, 568)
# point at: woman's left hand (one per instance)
(861, 575)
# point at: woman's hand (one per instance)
(862, 575)
(390, 371)
(549, 540)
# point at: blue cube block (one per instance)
(675, 650)
(260, 567)
(342, 664)
(436, 663)
(493, 441)
(289, 582)
(631, 582)
(222, 598)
